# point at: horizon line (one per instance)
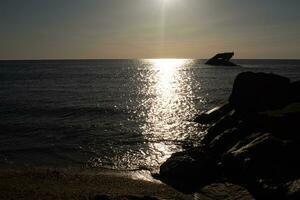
(69, 59)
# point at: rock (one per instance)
(293, 190)
(221, 59)
(127, 197)
(282, 122)
(262, 155)
(253, 142)
(266, 189)
(101, 197)
(221, 191)
(253, 92)
(294, 92)
(130, 197)
(228, 121)
(262, 163)
(187, 171)
(214, 114)
(225, 141)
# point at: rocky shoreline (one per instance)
(253, 142)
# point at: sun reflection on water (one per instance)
(167, 77)
(161, 105)
(168, 109)
(168, 86)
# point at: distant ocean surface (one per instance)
(115, 114)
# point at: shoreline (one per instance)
(79, 183)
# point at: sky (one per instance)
(95, 29)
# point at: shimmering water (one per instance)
(118, 114)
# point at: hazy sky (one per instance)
(43, 29)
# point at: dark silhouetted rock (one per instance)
(294, 92)
(127, 197)
(214, 114)
(262, 163)
(266, 189)
(221, 59)
(226, 122)
(102, 197)
(253, 142)
(282, 123)
(253, 92)
(225, 141)
(223, 191)
(262, 154)
(187, 171)
(293, 190)
(130, 197)
(262, 157)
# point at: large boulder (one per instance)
(263, 155)
(253, 92)
(253, 142)
(128, 197)
(222, 191)
(293, 190)
(189, 170)
(214, 114)
(223, 142)
(262, 163)
(228, 121)
(294, 92)
(282, 123)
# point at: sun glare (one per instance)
(167, 63)
(167, 73)
(167, 87)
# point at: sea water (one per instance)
(115, 114)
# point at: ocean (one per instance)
(112, 114)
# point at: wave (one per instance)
(62, 112)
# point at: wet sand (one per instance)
(50, 183)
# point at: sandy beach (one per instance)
(50, 183)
